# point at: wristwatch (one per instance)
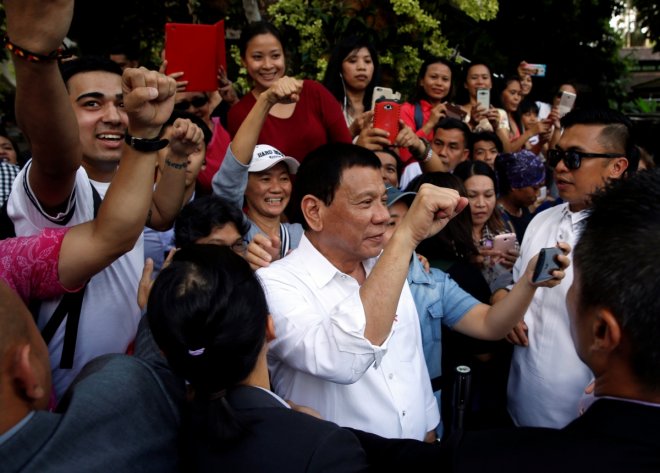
(427, 154)
(145, 145)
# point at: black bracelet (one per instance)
(30, 56)
(174, 165)
(145, 145)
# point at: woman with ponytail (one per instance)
(209, 316)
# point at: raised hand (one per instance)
(186, 138)
(226, 88)
(431, 210)
(39, 26)
(148, 100)
(285, 90)
(262, 251)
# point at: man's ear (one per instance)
(618, 167)
(25, 375)
(606, 331)
(312, 210)
(270, 329)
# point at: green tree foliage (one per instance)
(649, 17)
(573, 38)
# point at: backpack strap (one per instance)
(419, 116)
(69, 307)
(285, 240)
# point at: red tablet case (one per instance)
(198, 51)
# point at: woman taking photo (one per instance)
(514, 137)
(478, 117)
(293, 128)
(429, 103)
(351, 75)
(480, 183)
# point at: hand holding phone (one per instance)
(386, 117)
(505, 242)
(546, 264)
(566, 102)
(483, 98)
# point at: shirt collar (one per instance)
(417, 274)
(320, 270)
(576, 217)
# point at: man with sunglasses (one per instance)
(547, 379)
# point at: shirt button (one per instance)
(403, 413)
(391, 376)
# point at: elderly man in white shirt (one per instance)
(348, 338)
(547, 379)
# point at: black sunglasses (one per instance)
(573, 159)
(195, 102)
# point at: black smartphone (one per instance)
(546, 264)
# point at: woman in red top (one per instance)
(429, 103)
(296, 128)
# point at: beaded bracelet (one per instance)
(30, 56)
(427, 154)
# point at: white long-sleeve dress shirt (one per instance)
(321, 359)
(547, 379)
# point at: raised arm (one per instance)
(285, 90)
(495, 322)
(171, 193)
(432, 208)
(420, 149)
(231, 179)
(43, 109)
(89, 247)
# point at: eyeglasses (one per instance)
(239, 247)
(573, 159)
(196, 102)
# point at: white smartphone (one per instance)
(483, 98)
(384, 93)
(566, 102)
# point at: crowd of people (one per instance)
(198, 281)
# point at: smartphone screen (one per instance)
(386, 117)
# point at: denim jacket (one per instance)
(439, 300)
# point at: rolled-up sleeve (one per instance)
(328, 343)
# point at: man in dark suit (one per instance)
(615, 326)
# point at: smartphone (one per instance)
(505, 242)
(386, 117)
(537, 70)
(566, 102)
(454, 111)
(386, 93)
(546, 264)
(483, 98)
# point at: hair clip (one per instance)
(199, 351)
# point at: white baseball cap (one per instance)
(265, 157)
